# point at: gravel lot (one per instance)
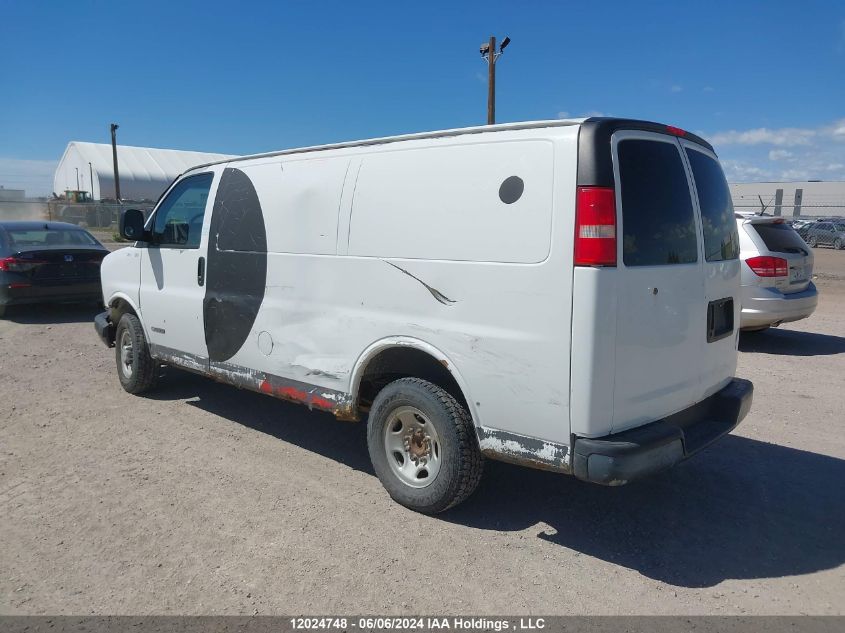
(202, 499)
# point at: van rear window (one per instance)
(721, 240)
(657, 217)
(781, 238)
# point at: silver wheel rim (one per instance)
(126, 355)
(412, 447)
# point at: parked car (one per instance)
(48, 262)
(541, 293)
(827, 234)
(804, 229)
(776, 273)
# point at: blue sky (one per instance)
(764, 80)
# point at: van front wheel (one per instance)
(423, 447)
(136, 369)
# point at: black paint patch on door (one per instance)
(237, 266)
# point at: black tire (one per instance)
(812, 242)
(461, 461)
(837, 244)
(2, 311)
(142, 374)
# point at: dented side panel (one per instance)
(502, 326)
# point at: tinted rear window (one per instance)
(721, 240)
(50, 237)
(780, 238)
(657, 216)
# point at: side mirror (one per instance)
(132, 225)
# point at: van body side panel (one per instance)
(593, 350)
(471, 202)
(503, 325)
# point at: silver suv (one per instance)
(776, 272)
(827, 234)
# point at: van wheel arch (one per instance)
(400, 360)
(118, 307)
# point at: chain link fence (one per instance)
(91, 214)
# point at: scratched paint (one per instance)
(439, 296)
(527, 451)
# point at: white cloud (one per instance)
(743, 171)
(676, 88)
(760, 153)
(794, 174)
(35, 176)
(779, 154)
(563, 115)
(708, 89)
(590, 113)
(785, 137)
(837, 130)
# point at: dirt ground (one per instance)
(203, 499)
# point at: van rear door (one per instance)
(717, 363)
(662, 301)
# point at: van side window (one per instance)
(657, 215)
(721, 240)
(178, 220)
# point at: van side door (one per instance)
(173, 273)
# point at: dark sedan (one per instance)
(47, 262)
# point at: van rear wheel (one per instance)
(136, 369)
(423, 447)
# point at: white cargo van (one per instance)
(559, 294)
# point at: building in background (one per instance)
(813, 198)
(144, 172)
(11, 195)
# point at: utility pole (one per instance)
(114, 127)
(91, 174)
(77, 178)
(491, 55)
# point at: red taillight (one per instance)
(17, 265)
(766, 266)
(675, 130)
(595, 227)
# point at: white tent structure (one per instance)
(144, 172)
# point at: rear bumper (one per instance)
(14, 294)
(766, 306)
(622, 457)
(105, 329)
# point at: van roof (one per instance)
(601, 125)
